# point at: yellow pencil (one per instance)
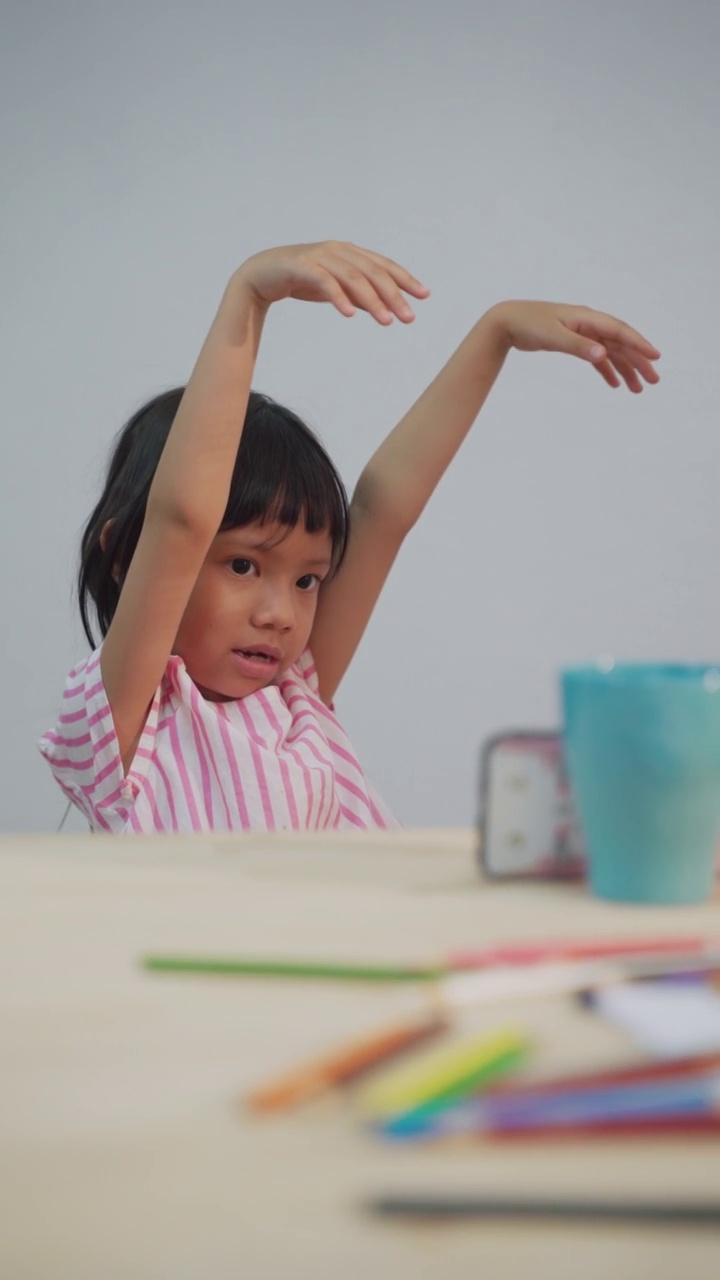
(442, 1076)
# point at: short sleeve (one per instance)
(84, 754)
(307, 671)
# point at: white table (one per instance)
(124, 1149)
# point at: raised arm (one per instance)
(185, 507)
(190, 489)
(402, 474)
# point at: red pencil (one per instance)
(597, 949)
(670, 1126)
(663, 1070)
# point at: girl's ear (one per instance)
(104, 535)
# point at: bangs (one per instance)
(283, 474)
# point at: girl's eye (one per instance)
(243, 568)
(309, 582)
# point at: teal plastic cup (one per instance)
(642, 745)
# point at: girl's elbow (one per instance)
(379, 500)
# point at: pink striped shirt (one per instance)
(274, 761)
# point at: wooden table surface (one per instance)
(125, 1151)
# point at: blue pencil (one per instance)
(694, 1097)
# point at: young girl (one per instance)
(231, 584)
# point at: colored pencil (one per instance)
(555, 977)
(643, 1100)
(687, 1125)
(524, 982)
(259, 968)
(445, 1075)
(647, 1072)
(344, 1064)
(598, 949)
(507, 978)
(668, 1213)
(673, 1068)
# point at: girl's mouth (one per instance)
(259, 662)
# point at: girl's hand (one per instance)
(616, 350)
(337, 272)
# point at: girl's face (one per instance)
(252, 608)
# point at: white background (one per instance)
(547, 149)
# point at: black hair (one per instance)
(282, 473)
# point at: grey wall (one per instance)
(547, 149)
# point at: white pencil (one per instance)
(521, 982)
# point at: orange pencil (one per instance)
(344, 1064)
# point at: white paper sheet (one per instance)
(670, 1019)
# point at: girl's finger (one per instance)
(407, 282)
(358, 288)
(610, 329)
(574, 343)
(643, 366)
(627, 372)
(647, 370)
(606, 371)
(387, 289)
(329, 288)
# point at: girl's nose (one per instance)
(274, 608)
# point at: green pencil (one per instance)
(292, 969)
